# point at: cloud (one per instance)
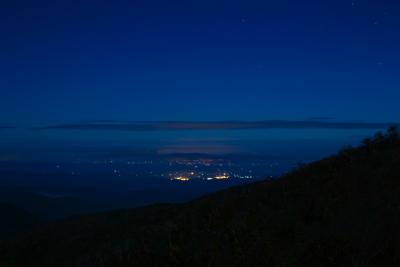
(6, 127)
(204, 149)
(217, 125)
(322, 118)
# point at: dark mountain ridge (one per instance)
(343, 210)
(15, 220)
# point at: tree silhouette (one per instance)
(393, 134)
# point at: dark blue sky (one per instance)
(293, 78)
(73, 61)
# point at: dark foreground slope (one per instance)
(15, 220)
(340, 211)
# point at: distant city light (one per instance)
(181, 178)
(222, 177)
(187, 169)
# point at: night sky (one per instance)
(69, 63)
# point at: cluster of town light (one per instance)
(186, 178)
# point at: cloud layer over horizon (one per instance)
(216, 125)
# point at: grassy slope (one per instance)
(340, 211)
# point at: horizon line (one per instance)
(114, 125)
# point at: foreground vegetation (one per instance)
(341, 211)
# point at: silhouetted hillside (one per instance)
(15, 220)
(341, 211)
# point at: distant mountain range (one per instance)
(340, 211)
